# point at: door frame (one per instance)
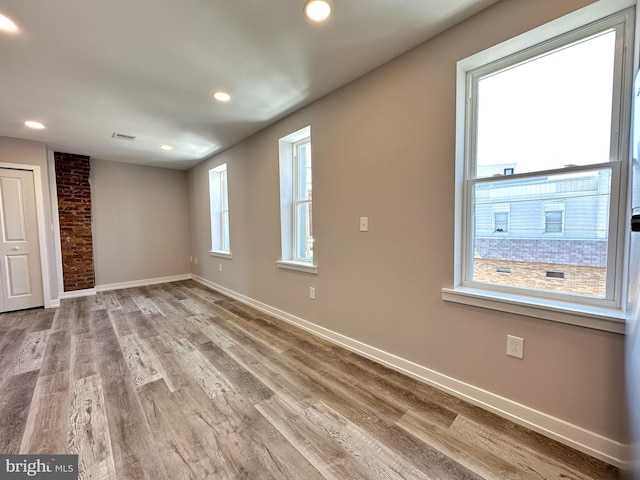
(40, 217)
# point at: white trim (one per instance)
(220, 253)
(218, 196)
(87, 292)
(119, 286)
(40, 219)
(591, 443)
(55, 216)
(298, 266)
(545, 32)
(599, 318)
(142, 283)
(606, 314)
(286, 169)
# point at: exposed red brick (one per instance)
(74, 211)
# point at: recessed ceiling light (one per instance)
(166, 147)
(32, 124)
(7, 25)
(317, 10)
(221, 96)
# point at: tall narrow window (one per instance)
(296, 193)
(219, 199)
(303, 237)
(546, 132)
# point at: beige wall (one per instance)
(13, 150)
(384, 148)
(140, 224)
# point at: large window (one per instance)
(219, 200)
(296, 194)
(543, 166)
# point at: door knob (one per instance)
(15, 248)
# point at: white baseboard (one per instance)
(77, 293)
(142, 283)
(591, 443)
(117, 286)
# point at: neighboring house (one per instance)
(543, 229)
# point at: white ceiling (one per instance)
(89, 68)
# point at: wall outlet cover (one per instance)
(515, 346)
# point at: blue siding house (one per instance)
(560, 219)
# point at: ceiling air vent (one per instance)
(122, 136)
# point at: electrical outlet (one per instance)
(312, 293)
(196, 262)
(219, 267)
(515, 346)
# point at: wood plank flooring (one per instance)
(176, 381)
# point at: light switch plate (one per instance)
(364, 224)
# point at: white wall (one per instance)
(383, 147)
(140, 222)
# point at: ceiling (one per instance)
(146, 68)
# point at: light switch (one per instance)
(364, 224)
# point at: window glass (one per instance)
(219, 206)
(296, 194)
(572, 237)
(303, 235)
(548, 112)
(544, 158)
(501, 222)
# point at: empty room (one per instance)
(345, 239)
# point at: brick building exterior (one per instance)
(544, 233)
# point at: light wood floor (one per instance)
(176, 381)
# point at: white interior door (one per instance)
(20, 269)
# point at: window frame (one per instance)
(219, 209)
(553, 206)
(504, 209)
(606, 315)
(288, 203)
(297, 201)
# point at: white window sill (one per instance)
(220, 253)
(599, 318)
(298, 266)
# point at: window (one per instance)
(543, 132)
(296, 193)
(554, 217)
(501, 222)
(303, 238)
(501, 218)
(219, 201)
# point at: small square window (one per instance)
(501, 222)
